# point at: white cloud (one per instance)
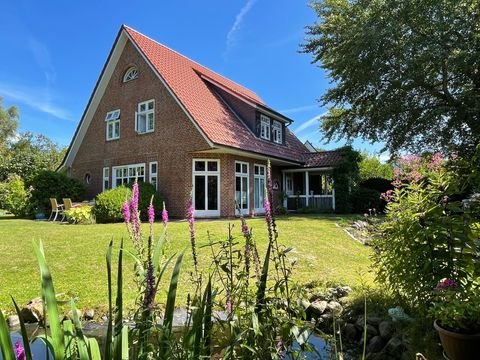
(36, 98)
(309, 123)
(232, 34)
(299, 109)
(43, 58)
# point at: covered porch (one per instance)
(310, 188)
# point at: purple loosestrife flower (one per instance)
(134, 214)
(229, 306)
(446, 284)
(151, 214)
(126, 212)
(20, 351)
(164, 215)
(191, 223)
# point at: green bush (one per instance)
(146, 191)
(80, 215)
(365, 199)
(50, 184)
(14, 197)
(108, 204)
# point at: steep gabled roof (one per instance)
(192, 85)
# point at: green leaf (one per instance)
(48, 295)
(108, 339)
(5, 342)
(118, 342)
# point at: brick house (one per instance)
(160, 117)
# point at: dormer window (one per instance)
(113, 125)
(264, 127)
(130, 74)
(277, 132)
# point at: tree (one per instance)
(403, 72)
(8, 124)
(371, 167)
(345, 178)
(29, 155)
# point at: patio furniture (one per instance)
(56, 209)
(67, 205)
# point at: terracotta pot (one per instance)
(459, 346)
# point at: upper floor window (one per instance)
(264, 127)
(113, 124)
(130, 74)
(277, 132)
(145, 117)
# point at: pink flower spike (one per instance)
(164, 215)
(20, 351)
(151, 214)
(126, 212)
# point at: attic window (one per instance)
(264, 127)
(277, 132)
(130, 74)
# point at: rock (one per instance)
(334, 308)
(386, 329)
(360, 225)
(33, 311)
(89, 314)
(350, 332)
(70, 314)
(344, 301)
(375, 345)
(374, 320)
(395, 347)
(318, 307)
(13, 321)
(342, 291)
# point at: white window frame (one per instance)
(259, 176)
(112, 120)
(265, 127)
(127, 178)
(130, 74)
(207, 213)
(106, 178)
(277, 131)
(242, 175)
(146, 113)
(153, 176)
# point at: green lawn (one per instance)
(76, 254)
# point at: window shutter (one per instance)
(284, 132)
(258, 126)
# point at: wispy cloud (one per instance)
(299, 109)
(296, 36)
(36, 98)
(309, 123)
(237, 25)
(43, 58)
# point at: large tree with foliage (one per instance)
(8, 124)
(403, 72)
(370, 166)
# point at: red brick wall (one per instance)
(171, 144)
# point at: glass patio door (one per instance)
(241, 186)
(206, 188)
(259, 188)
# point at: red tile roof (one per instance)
(207, 108)
(322, 159)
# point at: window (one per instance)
(259, 188)
(206, 187)
(277, 132)
(130, 74)
(153, 173)
(106, 178)
(113, 124)
(87, 178)
(144, 119)
(127, 174)
(241, 186)
(264, 127)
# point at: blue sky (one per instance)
(53, 52)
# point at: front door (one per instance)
(206, 188)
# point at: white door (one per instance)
(259, 188)
(242, 193)
(206, 188)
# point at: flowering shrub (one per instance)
(456, 307)
(80, 215)
(426, 236)
(14, 197)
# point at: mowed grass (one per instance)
(76, 255)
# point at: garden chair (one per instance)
(56, 209)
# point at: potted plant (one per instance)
(457, 319)
(40, 213)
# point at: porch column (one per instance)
(307, 188)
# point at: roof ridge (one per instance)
(195, 62)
